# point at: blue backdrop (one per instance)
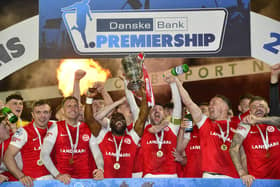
(180, 182)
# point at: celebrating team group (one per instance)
(132, 138)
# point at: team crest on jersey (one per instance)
(85, 137)
(270, 129)
(166, 129)
(127, 141)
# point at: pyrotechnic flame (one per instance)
(66, 74)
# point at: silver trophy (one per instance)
(132, 66)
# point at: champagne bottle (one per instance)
(188, 119)
(178, 70)
(11, 116)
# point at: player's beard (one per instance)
(118, 130)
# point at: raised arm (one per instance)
(79, 74)
(188, 102)
(144, 111)
(105, 95)
(131, 101)
(269, 120)
(93, 125)
(108, 109)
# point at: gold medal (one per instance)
(159, 154)
(71, 161)
(40, 162)
(117, 166)
(224, 147)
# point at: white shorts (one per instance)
(212, 175)
(161, 176)
(45, 177)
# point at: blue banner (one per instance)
(193, 28)
(180, 182)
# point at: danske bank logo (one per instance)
(168, 31)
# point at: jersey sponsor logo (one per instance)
(195, 147)
(216, 134)
(15, 139)
(34, 139)
(194, 136)
(155, 142)
(272, 144)
(114, 154)
(127, 141)
(85, 138)
(72, 151)
(63, 134)
(19, 132)
(270, 129)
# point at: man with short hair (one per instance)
(159, 139)
(69, 141)
(243, 105)
(216, 132)
(15, 103)
(28, 140)
(261, 145)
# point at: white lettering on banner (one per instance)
(263, 147)
(260, 36)
(228, 69)
(265, 38)
(16, 48)
(162, 31)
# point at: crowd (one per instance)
(123, 139)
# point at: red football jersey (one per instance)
(214, 151)
(261, 162)
(27, 140)
(193, 153)
(153, 162)
(126, 144)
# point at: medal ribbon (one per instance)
(222, 132)
(73, 147)
(118, 149)
(38, 134)
(265, 140)
(160, 141)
